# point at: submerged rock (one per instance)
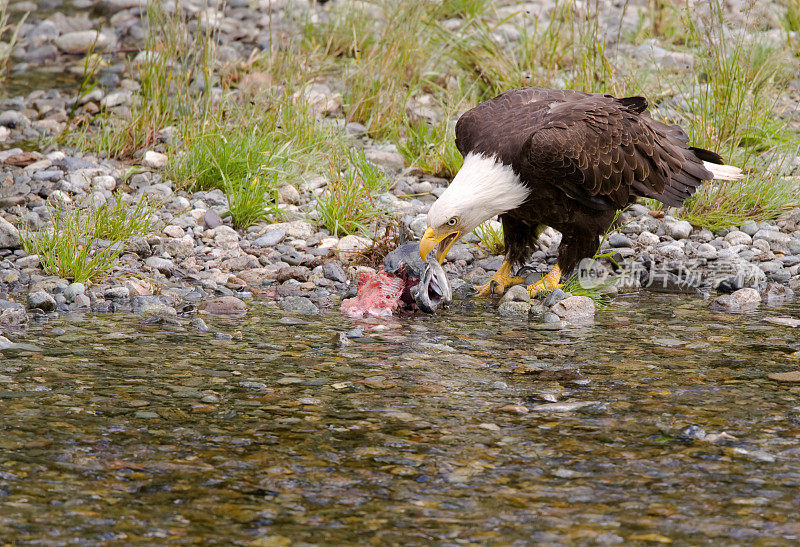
(299, 304)
(742, 300)
(514, 309)
(748, 298)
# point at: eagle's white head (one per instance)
(484, 187)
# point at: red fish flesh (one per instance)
(378, 295)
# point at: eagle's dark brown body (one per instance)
(584, 156)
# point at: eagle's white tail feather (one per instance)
(724, 172)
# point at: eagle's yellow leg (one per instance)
(501, 281)
(549, 282)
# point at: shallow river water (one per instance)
(656, 424)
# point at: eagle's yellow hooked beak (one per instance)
(430, 240)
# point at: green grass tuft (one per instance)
(574, 286)
(722, 204)
(349, 203)
(175, 74)
(431, 147)
(491, 235)
(84, 243)
(253, 199)
(791, 21)
(734, 101)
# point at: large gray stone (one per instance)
(299, 304)
(224, 305)
(270, 239)
(73, 290)
(677, 229)
(575, 309)
(41, 300)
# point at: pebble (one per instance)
(563, 407)
(81, 41)
(155, 160)
(648, 238)
(516, 293)
(618, 240)
(519, 410)
(742, 300)
(211, 220)
(333, 270)
(747, 297)
(41, 300)
(199, 325)
(298, 229)
(163, 265)
(791, 376)
(704, 250)
(784, 321)
(81, 301)
(152, 305)
(677, 229)
(351, 246)
(555, 296)
(117, 293)
(270, 239)
(9, 235)
(736, 237)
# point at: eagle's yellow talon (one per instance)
(500, 282)
(549, 282)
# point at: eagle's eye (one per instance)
(453, 221)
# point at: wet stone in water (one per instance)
(299, 304)
(224, 305)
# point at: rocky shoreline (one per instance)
(196, 256)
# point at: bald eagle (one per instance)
(567, 159)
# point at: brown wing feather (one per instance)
(602, 152)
